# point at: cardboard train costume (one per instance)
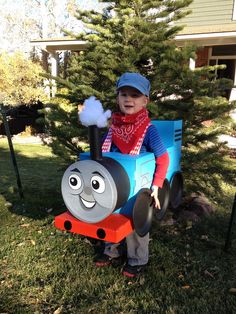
(108, 194)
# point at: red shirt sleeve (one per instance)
(162, 163)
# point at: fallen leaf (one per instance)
(59, 310)
(207, 273)
(25, 225)
(142, 280)
(20, 244)
(204, 237)
(232, 290)
(189, 225)
(186, 287)
(33, 242)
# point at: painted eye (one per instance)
(75, 182)
(98, 184)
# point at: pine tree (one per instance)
(138, 35)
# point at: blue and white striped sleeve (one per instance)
(153, 142)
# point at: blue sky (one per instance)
(13, 4)
(15, 14)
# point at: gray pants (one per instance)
(137, 249)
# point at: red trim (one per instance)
(115, 227)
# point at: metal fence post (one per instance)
(232, 221)
(13, 158)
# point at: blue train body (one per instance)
(140, 168)
(109, 197)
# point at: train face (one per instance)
(92, 190)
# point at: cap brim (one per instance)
(134, 86)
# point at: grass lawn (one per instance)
(44, 270)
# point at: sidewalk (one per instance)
(231, 141)
(19, 139)
(41, 139)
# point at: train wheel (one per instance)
(164, 197)
(176, 190)
(143, 212)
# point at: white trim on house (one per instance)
(53, 41)
(205, 35)
(51, 45)
(208, 39)
(214, 57)
(234, 11)
(222, 57)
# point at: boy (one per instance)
(132, 133)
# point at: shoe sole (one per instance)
(129, 275)
(102, 264)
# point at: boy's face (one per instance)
(131, 100)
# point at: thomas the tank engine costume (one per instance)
(108, 194)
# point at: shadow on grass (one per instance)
(198, 269)
(40, 177)
(8, 302)
(44, 269)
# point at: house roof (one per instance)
(205, 39)
(59, 44)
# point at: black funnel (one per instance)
(95, 143)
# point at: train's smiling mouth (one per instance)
(87, 204)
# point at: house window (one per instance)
(228, 72)
(229, 50)
(224, 55)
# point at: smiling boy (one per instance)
(132, 133)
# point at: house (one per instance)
(212, 27)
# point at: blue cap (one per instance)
(134, 80)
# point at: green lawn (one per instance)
(44, 269)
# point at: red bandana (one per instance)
(127, 130)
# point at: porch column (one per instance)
(233, 90)
(192, 64)
(54, 71)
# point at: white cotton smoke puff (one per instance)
(93, 113)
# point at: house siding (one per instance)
(209, 16)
